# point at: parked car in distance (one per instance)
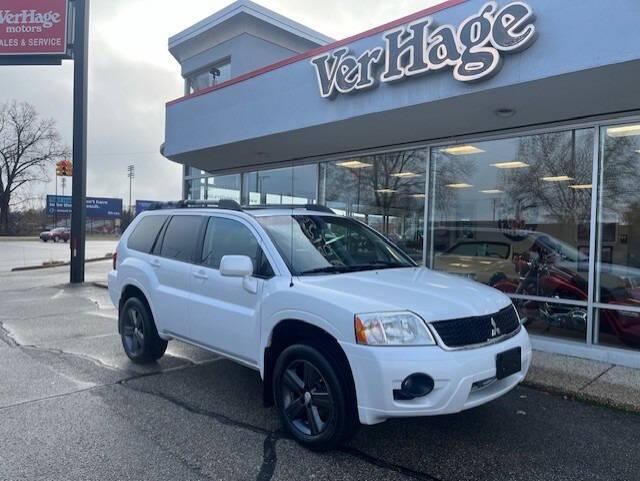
(55, 235)
(343, 327)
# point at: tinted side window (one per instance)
(145, 233)
(228, 237)
(180, 238)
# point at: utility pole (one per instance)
(131, 173)
(79, 182)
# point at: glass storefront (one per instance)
(290, 185)
(386, 191)
(515, 214)
(618, 236)
(214, 188)
(523, 214)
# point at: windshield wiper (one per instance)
(355, 268)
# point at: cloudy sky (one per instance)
(132, 75)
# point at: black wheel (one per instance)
(55, 240)
(138, 332)
(312, 399)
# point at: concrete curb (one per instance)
(61, 264)
(100, 284)
(586, 380)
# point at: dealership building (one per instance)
(499, 141)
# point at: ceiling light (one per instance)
(463, 150)
(386, 191)
(558, 178)
(419, 196)
(581, 186)
(492, 191)
(353, 164)
(624, 131)
(405, 175)
(459, 186)
(510, 165)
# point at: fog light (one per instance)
(414, 386)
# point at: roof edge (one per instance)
(325, 48)
(255, 10)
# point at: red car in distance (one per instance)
(55, 235)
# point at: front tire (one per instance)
(312, 398)
(138, 332)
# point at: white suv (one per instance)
(342, 325)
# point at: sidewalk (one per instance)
(586, 380)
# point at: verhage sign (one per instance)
(473, 50)
(33, 27)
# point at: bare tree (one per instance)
(28, 145)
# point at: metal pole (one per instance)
(79, 182)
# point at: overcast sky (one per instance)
(132, 75)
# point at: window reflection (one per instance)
(553, 319)
(515, 214)
(386, 191)
(290, 185)
(618, 267)
(214, 188)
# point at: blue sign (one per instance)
(97, 207)
(142, 205)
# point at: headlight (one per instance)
(392, 329)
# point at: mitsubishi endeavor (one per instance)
(343, 326)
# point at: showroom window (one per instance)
(618, 247)
(515, 214)
(214, 188)
(289, 185)
(386, 191)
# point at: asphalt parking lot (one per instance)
(33, 252)
(72, 407)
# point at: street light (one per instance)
(131, 173)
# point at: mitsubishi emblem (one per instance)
(495, 330)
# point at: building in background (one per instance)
(500, 142)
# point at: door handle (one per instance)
(200, 275)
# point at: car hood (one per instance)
(433, 295)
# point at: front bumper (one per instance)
(377, 371)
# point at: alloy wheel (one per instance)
(307, 400)
(133, 331)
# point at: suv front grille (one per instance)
(470, 331)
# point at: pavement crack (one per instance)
(6, 337)
(596, 378)
(221, 418)
(269, 457)
(410, 473)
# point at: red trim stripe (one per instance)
(325, 48)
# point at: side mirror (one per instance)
(236, 266)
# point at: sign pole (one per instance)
(79, 180)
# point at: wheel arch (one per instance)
(128, 291)
(292, 331)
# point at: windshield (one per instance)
(316, 244)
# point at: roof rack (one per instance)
(227, 204)
(312, 207)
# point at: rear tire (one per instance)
(138, 332)
(313, 398)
